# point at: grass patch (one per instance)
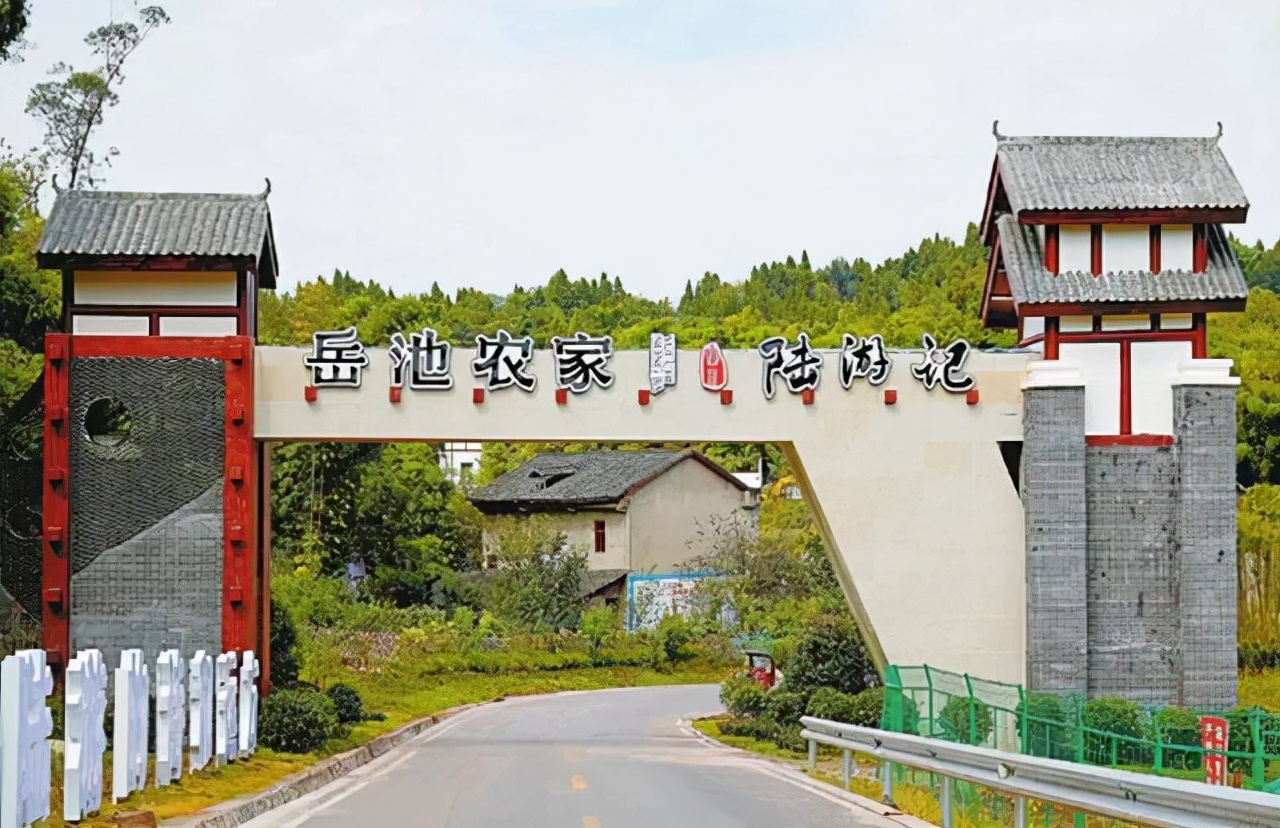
(1261, 689)
(401, 705)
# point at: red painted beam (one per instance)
(1155, 248)
(1141, 216)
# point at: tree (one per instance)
(72, 107)
(13, 22)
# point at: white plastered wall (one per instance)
(102, 325)
(155, 288)
(1126, 248)
(1176, 247)
(1154, 368)
(914, 499)
(679, 516)
(1075, 249)
(1099, 362)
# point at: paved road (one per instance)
(605, 759)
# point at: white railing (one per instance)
(26, 725)
(1135, 797)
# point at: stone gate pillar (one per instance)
(152, 478)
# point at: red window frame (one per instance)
(599, 532)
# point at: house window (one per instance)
(599, 532)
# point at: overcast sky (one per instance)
(485, 144)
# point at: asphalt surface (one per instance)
(604, 759)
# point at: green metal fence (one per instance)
(1108, 732)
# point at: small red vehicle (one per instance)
(761, 669)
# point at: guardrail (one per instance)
(1135, 797)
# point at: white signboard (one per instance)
(86, 741)
(25, 727)
(201, 690)
(171, 716)
(129, 733)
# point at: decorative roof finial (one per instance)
(995, 130)
(263, 195)
(1219, 135)
(56, 188)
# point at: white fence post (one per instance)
(129, 735)
(250, 669)
(25, 727)
(201, 695)
(86, 742)
(228, 730)
(171, 718)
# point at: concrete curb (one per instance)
(802, 779)
(236, 812)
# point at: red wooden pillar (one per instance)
(56, 516)
(240, 588)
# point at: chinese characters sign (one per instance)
(423, 361)
(1214, 732)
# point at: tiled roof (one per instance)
(1111, 173)
(198, 225)
(593, 478)
(1032, 284)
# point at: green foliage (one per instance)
(13, 22)
(284, 648)
(534, 580)
(742, 696)
(1255, 658)
(670, 636)
(297, 721)
(785, 706)
(966, 720)
(830, 655)
(1048, 727)
(1177, 726)
(346, 704)
(599, 624)
(1258, 572)
(1111, 715)
(863, 709)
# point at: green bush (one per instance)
(966, 720)
(1255, 658)
(1109, 717)
(868, 708)
(671, 634)
(284, 649)
(829, 655)
(742, 696)
(1178, 728)
(346, 703)
(754, 727)
(296, 721)
(831, 704)
(598, 625)
(1048, 728)
(785, 706)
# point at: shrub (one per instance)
(829, 703)
(1178, 728)
(967, 720)
(1255, 658)
(830, 655)
(1115, 717)
(671, 634)
(296, 721)
(785, 706)
(598, 625)
(346, 704)
(284, 648)
(742, 696)
(1049, 731)
(868, 708)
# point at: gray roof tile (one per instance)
(1113, 173)
(1031, 283)
(592, 478)
(97, 223)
